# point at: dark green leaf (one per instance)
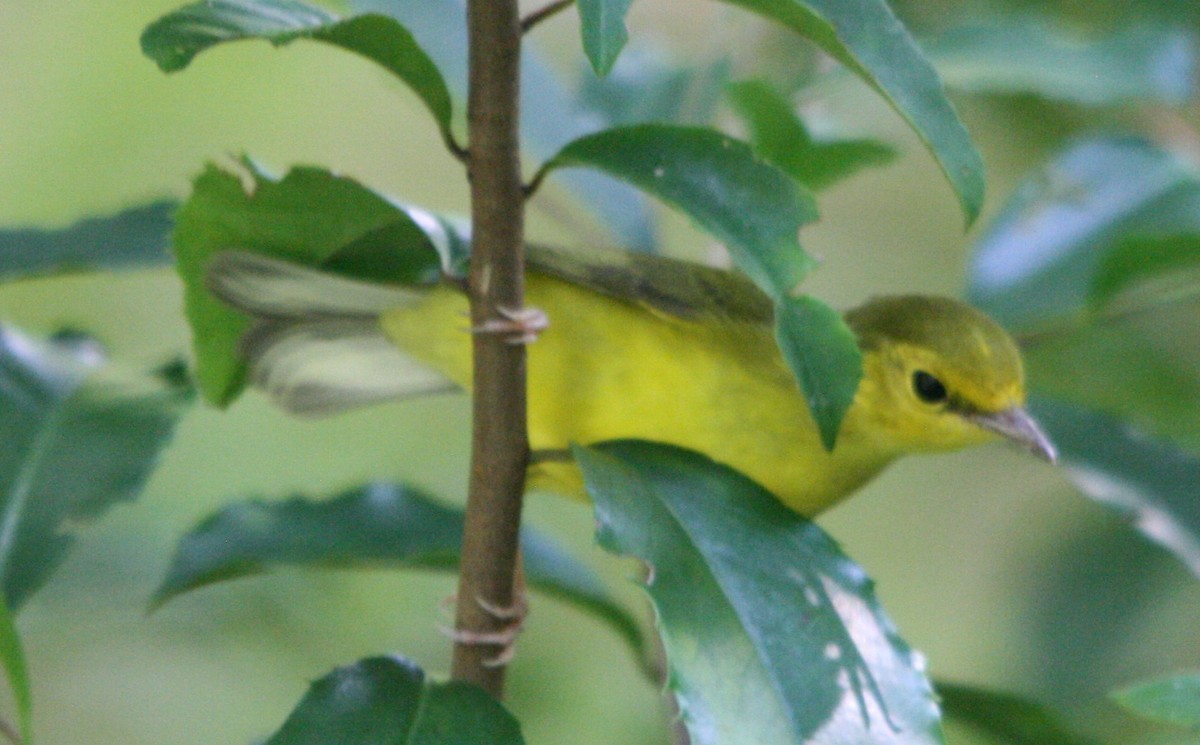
(1011, 719)
(1141, 259)
(77, 438)
(12, 657)
(133, 239)
(1039, 258)
(866, 37)
(824, 356)
(309, 217)
(772, 634)
(1150, 481)
(388, 701)
(602, 24)
(754, 208)
(377, 525)
(780, 138)
(1174, 699)
(1031, 54)
(175, 39)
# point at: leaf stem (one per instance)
(500, 446)
(544, 13)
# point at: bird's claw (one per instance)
(517, 326)
(505, 637)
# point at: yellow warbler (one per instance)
(644, 347)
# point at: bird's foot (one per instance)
(516, 326)
(505, 637)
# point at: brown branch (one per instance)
(543, 13)
(500, 447)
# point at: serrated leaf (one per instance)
(1040, 257)
(772, 634)
(12, 657)
(866, 37)
(77, 439)
(175, 39)
(376, 525)
(752, 207)
(389, 701)
(1173, 699)
(823, 354)
(779, 137)
(1033, 54)
(1150, 481)
(1011, 719)
(135, 238)
(308, 217)
(602, 25)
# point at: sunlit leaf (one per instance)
(772, 634)
(824, 356)
(78, 438)
(377, 525)
(310, 216)
(602, 25)
(389, 701)
(1151, 482)
(780, 138)
(1173, 699)
(1031, 54)
(753, 208)
(866, 37)
(175, 39)
(133, 239)
(12, 657)
(1010, 719)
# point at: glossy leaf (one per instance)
(12, 658)
(310, 216)
(602, 25)
(376, 525)
(1174, 699)
(389, 701)
(824, 356)
(779, 137)
(135, 238)
(1150, 481)
(1035, 55)
(175, 39)
(1040, 257)
(753, 208)
(1010, 719)
(866, 37)
(77, 439)
(771, 633)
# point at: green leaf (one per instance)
(1150, 481)
(12, 657)
(1041, 256)
(752, 207)
(824, 356)
(779, 137)
(132, 239)
(1010, 719)
(78, 438)
(1174, 699)
(376, 525)
(602, 24)
(309, 216)
(175, 39)
(645, 88)
(1145, 259)
(388, 701)
(772, 634)
(866, 37)
(1033, 54)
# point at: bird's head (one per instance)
(940, 375)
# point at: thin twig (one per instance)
(543, 13)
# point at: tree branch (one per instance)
(543, 14)
(500, 447)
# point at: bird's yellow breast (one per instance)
(607, 369)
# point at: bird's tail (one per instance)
(316, 346)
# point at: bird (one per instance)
(647, 347)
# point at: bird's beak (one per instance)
(1016, 425)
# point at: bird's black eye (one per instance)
(928, 388)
